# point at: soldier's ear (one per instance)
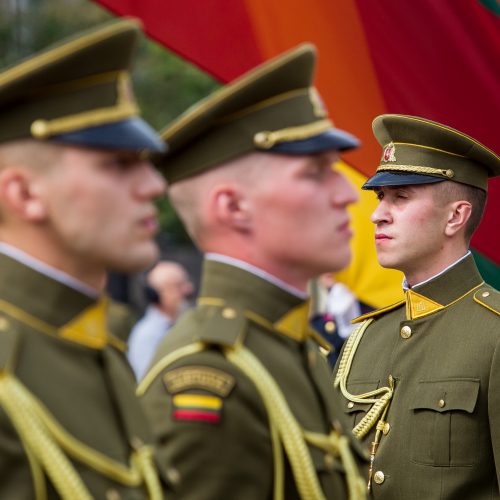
(232, 207)
(19, 194)
(458, 215)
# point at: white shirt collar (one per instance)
(406, 287)
(47, 270)
(225, 259)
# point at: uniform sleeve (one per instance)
(211, 445)
(494, 407)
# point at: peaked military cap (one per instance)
(420, 151)
(78, 92)
(272, 108)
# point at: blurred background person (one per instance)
(168, 290)
(334, 307)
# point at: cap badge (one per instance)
(389, 152)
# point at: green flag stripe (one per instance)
(488, 269)
(492, 5)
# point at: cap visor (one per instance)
(133, 134)
(331, 139)
(395, 179)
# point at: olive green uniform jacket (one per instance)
(440, 438)
(208, 417)
(54, 353)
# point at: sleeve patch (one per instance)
(199, 377)
(197, 408)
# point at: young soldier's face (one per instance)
(301, 219)
(409, 227)
(100, 208)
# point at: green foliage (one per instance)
(165, 85)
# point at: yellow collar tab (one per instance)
(90, 327)
(295, 323)
(418, 306)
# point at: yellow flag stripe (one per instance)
(197, 401)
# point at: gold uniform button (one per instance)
(386, 428)
(441, 403)
(4, 324)
(379, 477)
(330, 326)
(112, 495)
(173, 475)
(405, 332)
(329, 462)
(228, 313)
(485, 294)
(350, 405)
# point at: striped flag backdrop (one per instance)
(437, 59)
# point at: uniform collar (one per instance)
(245, 290)
(258, 299)
(50, 306)
(444, 289)
(225, 259)
(407, 287)
(42, 267)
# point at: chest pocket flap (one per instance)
(446, 395)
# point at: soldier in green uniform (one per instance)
(420, 379)
(76, 199)
(238, 393)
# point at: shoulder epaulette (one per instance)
(489, 298)
(378, 312)
(220, 324)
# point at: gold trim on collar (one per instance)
(294, 324)
(377, 312)
(27, 319)
(418, 306)
(89, 328)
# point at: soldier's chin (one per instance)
(138, 260)
(342, 261)
(385, 262)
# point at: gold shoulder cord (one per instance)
(46, 442)
(377, 412)
(195, 348)
(293, 437)
(286, 432)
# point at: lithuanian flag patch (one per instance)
(197, 408)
